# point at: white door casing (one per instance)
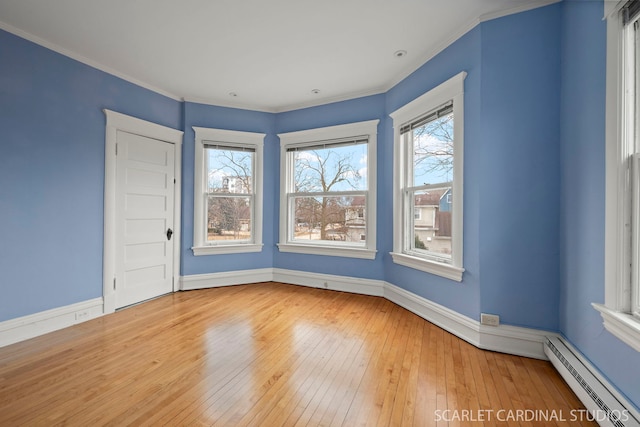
(145, 154)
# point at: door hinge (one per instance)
(116, 149)
(174, 180)
(114, 283)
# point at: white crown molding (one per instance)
(33, 325)
(83, 59)
(238, 104)
(523, 7)
(218, 102)
(331, 99)
(429, 55)
(458, 33)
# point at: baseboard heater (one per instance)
(605, 405)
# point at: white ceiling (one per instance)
(271, 53)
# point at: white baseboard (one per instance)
(515, 340)
(225, 278)
(449, 320)
(505, 339)
(23, 328)
(294, 277)
(330, 281)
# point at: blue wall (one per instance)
(520, 169)
(512, 196)
(356, 110)
(52, 172)
(534, 177)
(462, 55)
(201, 115)
(583, 185)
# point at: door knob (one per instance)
(169, 234)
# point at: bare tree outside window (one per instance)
(433, 151)
(433, 161)
(321, 177)
(229, 193)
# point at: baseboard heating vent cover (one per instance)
(605, 405)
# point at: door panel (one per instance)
(144, 213)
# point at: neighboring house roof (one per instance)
(357, 201)
(431, 198)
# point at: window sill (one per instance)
(328, 250)
(622, 325)
(428, 266)
(226, 249)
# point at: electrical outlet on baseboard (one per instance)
(82, 315)
(489, 319)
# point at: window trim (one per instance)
(310, 137)
(450, 90)
(234, 138)
(615, 311)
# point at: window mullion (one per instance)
(328, 193)
(252, 217)
(634, 160)
(634, 228)
(230, 195)
(411, 220)
(408, 216)
(205, 216)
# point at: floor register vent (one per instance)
(605, 405)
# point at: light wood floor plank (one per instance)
(268, 354)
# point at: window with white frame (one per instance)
(328, 191)
(428, 181)
(227, 191)
(621, 310)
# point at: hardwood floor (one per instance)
(272, 354)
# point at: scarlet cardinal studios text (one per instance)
(480, 415)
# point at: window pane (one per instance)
(338, 168)
(433, 152)
(229, 171)
(432, 222)
(228, 218)
(333, 219)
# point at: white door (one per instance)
(145, 193)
